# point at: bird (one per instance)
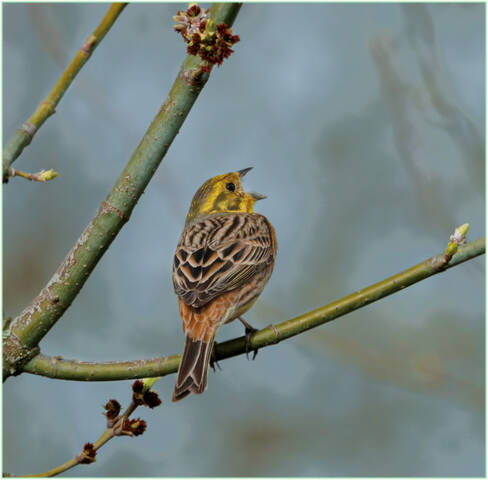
(224, 258)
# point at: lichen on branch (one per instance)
(28, 328)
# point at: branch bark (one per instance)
(24, 135)
(55, 367)
(27, 330)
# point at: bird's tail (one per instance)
(193, 371)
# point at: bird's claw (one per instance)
(249, 331)
(213, 360)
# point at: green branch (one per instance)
(55, 367)
(27, 330)
(24, 135)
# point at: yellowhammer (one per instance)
(222, 262)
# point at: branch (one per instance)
(24, 135)
(117, 425)
(42, 176)
(55, 367)
(121, 425)
(27, 330)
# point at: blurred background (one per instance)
(365, 125)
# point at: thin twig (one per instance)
(117, 425)
(55, 367)
(42, 176)
(107, 435)
(24, 135)
(28, 329)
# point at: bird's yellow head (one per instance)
(220, 194)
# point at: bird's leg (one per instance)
(249, 331)
(213, 360)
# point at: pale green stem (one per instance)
(54, 367)
(27, 330)
(24, 135)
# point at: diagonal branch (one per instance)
(55, 367)
(24, 135)
(27, 330)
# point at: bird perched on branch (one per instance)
(222, 262)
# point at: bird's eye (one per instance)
(230, 186)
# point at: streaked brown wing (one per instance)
(220, 254)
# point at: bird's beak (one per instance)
(257, 196)
(244, 171)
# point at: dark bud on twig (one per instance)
(141, 395)
(88, 455)
(112, 410)
(151, 399)
(138, 386)
(132, 428)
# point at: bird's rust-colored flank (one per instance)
(222, 262)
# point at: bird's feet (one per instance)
(249, 331)
(213, 359)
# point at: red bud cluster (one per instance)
(112, 409)
(149, 398)
(88, 455)
(134, 427)
(209, 41)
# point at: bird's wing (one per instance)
(219, 254)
